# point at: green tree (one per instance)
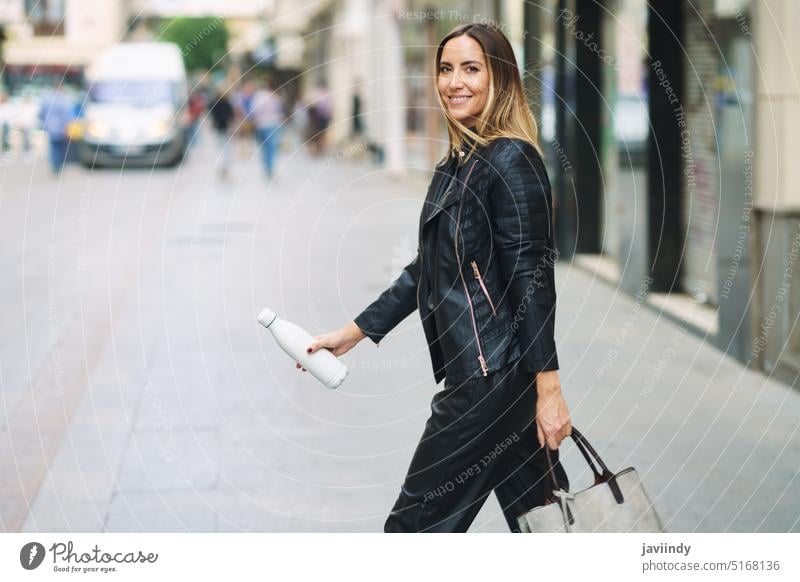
(203, 41)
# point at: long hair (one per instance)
(506, 113)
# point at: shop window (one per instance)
(45, 16)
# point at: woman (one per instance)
(56, 113)
(484, 285)
(268, 113)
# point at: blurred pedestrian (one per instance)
(268, 114)
(197, 106)
(357, 129)
(26, 119)
(297, 124)
(319, 117)
(55, 114)
(222, 116)
(6, 119)
(75, 127)
(242, 102)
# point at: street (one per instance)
(140, 394)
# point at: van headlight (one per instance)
(96, 129)
(159, 129)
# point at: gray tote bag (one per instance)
(616, 503)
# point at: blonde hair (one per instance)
(507, 113)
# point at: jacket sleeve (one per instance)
(393, 305)
(522, 230)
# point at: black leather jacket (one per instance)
(483, 278)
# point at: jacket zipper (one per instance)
(481, 358)
(483, 286)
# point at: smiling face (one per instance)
(463, 79)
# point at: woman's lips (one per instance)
(459, 99)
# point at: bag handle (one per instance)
(593, 459)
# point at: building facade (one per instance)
(670, 134)
(57, 38)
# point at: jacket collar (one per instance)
(441, 179)
(468, 142)
(437, 200)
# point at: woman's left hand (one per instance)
(553, 422)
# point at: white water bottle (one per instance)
(294, 340)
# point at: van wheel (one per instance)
(177, 159)
(87, 158)
(90, 163)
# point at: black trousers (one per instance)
(481, 436)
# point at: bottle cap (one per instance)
(337, 378)
(266, 317)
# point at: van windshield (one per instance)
(140, 93)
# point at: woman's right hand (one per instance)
(339, 342)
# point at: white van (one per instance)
(135, 110)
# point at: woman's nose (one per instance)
(455, 81)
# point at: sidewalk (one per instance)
(177, 412)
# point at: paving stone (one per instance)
(169, 460)
(162, 512)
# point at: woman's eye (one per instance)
(470, 68)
